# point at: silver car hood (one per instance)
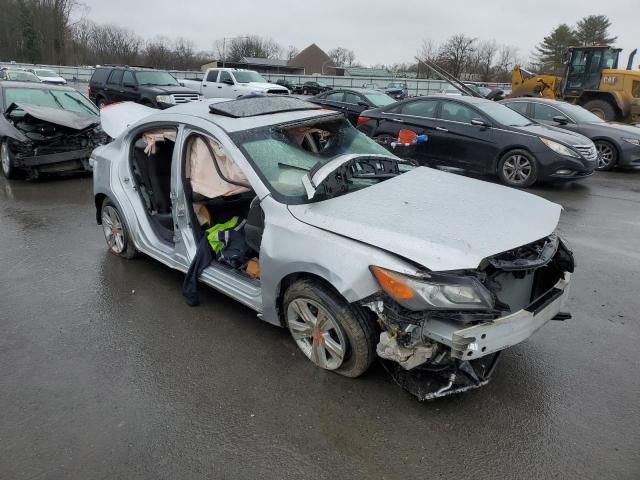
(439, 220)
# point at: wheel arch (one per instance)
(504, 151)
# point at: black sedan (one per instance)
(484, 137)
(352, 101)
(617, 144)
(314, 88)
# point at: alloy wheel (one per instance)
(112, 228)
(5, 159)
(517, 169)
(605, 155)
(316, 333)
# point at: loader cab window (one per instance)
(151, 158)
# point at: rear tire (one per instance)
(607, 155)
(330, 332)
(602, 109)
(115, 231)
(518, 168)
(101, 103)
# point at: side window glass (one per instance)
(128, 78)
(352, 98)
(457, 112)
(225, 77)
(520, 107)
(334, 96)
(545, 112)
(420, 108)
(115, 78)
(212, 76)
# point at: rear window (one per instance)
(100, 75)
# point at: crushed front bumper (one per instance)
(486, 338)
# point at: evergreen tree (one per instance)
(593, 30)
(551, 53)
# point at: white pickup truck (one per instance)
(233, 83)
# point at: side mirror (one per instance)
(181, 84)
(478, 122)
(560, 119)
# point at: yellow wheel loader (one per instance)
(591, 79)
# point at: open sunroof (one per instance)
(252, 106)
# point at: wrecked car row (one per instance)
(288, 209)
(46, 129)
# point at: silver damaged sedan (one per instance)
(357, 252)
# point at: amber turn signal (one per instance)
(392, 283)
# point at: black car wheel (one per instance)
(101, 103)
(304, 91)
(518, 168)
(607, 155)
(115, 231)
(6, 158)
(330, 332)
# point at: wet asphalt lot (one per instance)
(105, 372)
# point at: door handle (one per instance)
(441, 129)
(399, 120)
(219, 86)
(204, 84)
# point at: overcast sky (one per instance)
(377, 31)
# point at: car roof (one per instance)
(461, 98)
(548, 101)
(230, 124)
(35, 85)
(354, 89)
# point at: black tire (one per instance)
(352, 327)
(607, 155)
(602, 109)
(518, 168)
(6, 160)
(113, 220)
(304, 91)
(101, 102)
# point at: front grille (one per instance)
(279, 91)
(184, 97)
(587, 151)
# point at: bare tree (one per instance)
(235, 49)
(292, 52)
(506, 59)
(482, 62)
(456, 53)
(342, 57)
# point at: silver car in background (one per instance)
(361, 255)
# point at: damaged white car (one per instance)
(358, 253)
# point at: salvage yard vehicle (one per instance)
(46, 129)
(314, 88)
(592, 80)
(233, 83)
(360, 253)
(617, 144)
(153, 88)
(18, 76)
(352, 101)
(397, 90)
(48, 76)
(480, 136)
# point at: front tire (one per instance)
(115, 231)
(607, 155)
(602, 109)
(101, 103)
(330, 332)
(6, 159)
(518, 168)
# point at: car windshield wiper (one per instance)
(55, 99)
(80, 103)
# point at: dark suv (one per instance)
(153, 88)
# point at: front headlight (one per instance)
(633, 141)
(559, 148)
(164, 99)
(437, 291)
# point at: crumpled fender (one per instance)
(9, 131)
